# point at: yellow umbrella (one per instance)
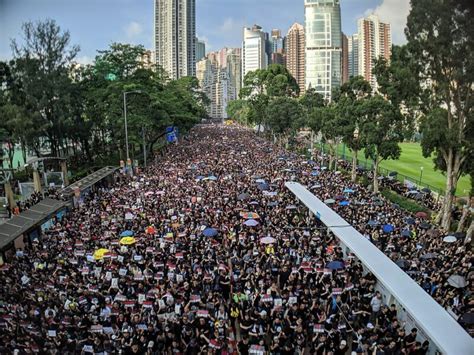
(128, 241)
(99, 253)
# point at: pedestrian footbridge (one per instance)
(415, 307)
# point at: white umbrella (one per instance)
(450, 239)
(251, 223)
(457, 281)
(267, 240)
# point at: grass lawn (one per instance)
(409, 164)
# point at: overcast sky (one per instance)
(94, 24)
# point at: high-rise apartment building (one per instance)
(254, 50)
(295, 57)
(375, 41)
(345, 59)
(234, 67)
(217, 83)
(353, 55)
(200, 50)
(175, 37)
(323, 45)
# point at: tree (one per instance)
(350, 99)
(238, 110)
(282, 114)
(441, 42)
(381, 131)
(42, 62)
(330, 131)
(262, 85)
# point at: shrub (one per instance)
(403, 202)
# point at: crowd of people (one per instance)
(207, 252)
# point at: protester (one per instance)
(206, 251)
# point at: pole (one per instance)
(126, 129)
(421, 174)
(144, 147)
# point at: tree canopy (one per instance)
(49, 103)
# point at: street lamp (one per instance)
(125, 93)
(421, 174)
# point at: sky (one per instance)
(94, 24)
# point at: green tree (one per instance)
(261, 86)
(381, 132)
(238, 110)
(350, 99)
(282, 114)
(440, 38)
(330, 131)
(42, 62)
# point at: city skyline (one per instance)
(218, 24)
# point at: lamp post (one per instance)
(125, 93)
(421, 173)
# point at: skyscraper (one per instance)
(175, 37)
(323, 45)
(216, 83)
(295, 58)
(345, 59)
(277, 55)
(200, 50)
(276, 41)
(353, 55)
(375, 41)
(254, 54)
(234, 67)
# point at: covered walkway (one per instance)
(441, 329)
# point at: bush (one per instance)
(403, 202)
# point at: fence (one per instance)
(367, 164)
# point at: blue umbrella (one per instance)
(315, 173)
(373, 223)
(272, 204)
(409, 220)
(344, 203)
(263, 186)
(209, 232)
(388, 228)
(126, 233)
(348, 191)
(335, 265)
(211, 178)
(406, 233)
(200, 177)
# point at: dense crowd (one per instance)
(207, 252)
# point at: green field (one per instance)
(410, 163)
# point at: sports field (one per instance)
(410, 164)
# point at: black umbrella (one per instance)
(426, 190)
(393, 173)
(402, 263)
(467, 318)
(243, 196)
(429, 256)
(425, 225)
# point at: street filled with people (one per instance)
(207, 252)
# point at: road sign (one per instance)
(171, 137)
